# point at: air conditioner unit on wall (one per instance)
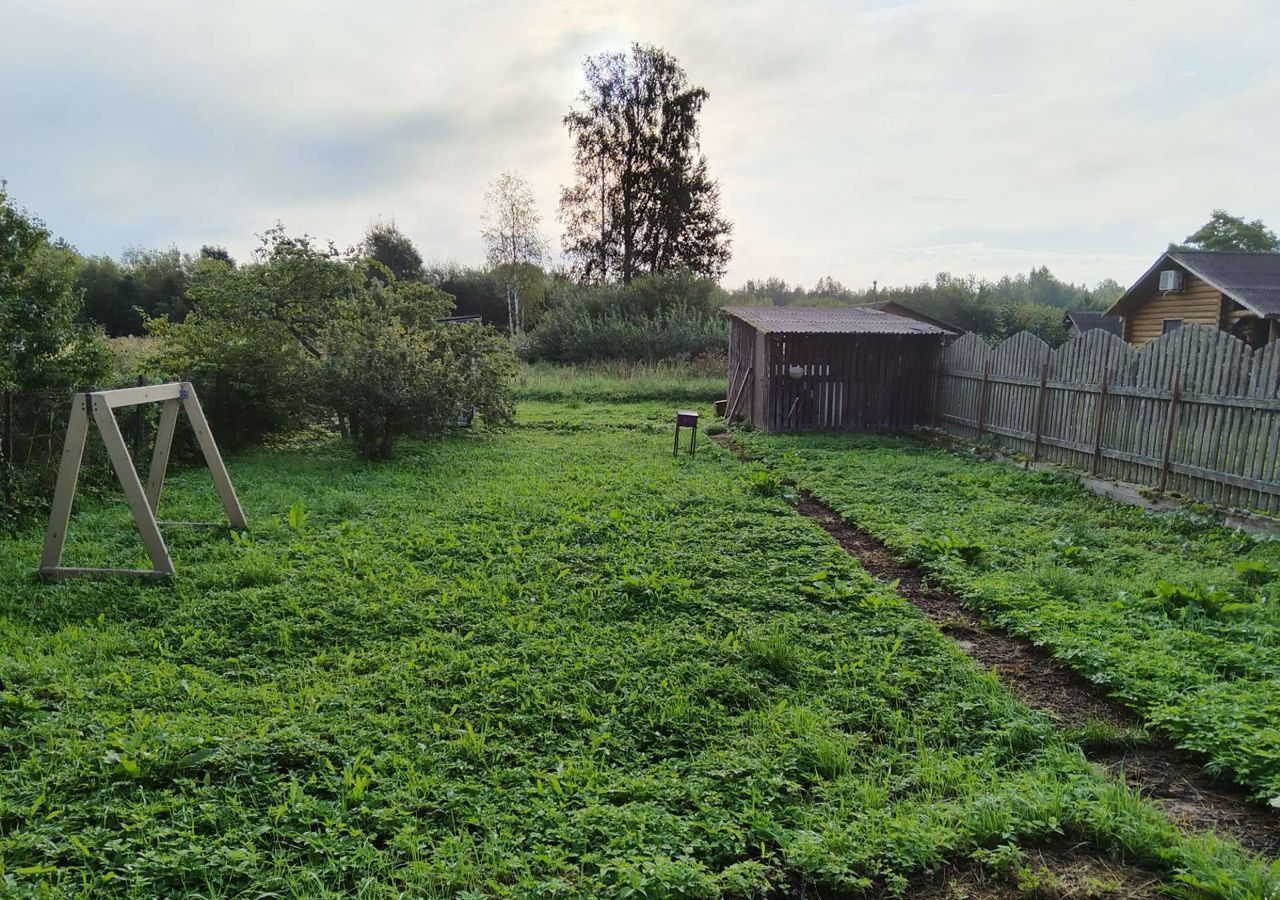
(1171, 280)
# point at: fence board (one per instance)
(1097, 403)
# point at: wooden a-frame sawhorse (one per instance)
(100, 406)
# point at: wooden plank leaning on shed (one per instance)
(99, 407)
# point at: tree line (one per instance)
(667, 312)
(642, 207)
(300, 335)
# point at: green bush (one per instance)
(45, 354)
(302, 335)
(483, 292)
(392, 368)
(653, 318)
(250, 345)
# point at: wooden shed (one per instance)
(839, 369)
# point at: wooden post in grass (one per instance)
(937, 388)
(983, 390)
(1099, 419)
(99, 408)
(1170, 421)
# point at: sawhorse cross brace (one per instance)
(99, 406)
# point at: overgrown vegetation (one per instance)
(536, 663)
(300, 336)
(1177, 616)
(700, 380)
(655, 317)
(303, 331)
(45, 351)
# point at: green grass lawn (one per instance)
(552, 661)
(625, 382)
(1177, 616)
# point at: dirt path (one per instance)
(1169, 776)
(1051, 872)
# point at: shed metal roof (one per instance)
(893, 307)
(828, 320)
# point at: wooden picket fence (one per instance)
(1196, 412)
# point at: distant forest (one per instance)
(119, 294)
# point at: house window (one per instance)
(1170, 325)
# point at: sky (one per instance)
(863, 141)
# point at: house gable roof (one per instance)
(1250, 279)
(1083, 320)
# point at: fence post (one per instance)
(937, 387)
(1170, 419)
(1099, 419)
(1040, 392)
(983, 390)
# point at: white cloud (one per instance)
(862, 140)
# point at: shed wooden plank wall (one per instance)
(850, 382)
(760, 383)
(1198, 304)
(742, 352)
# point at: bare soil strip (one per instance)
(1057, 872)
(1169, 776)
(1160, 770)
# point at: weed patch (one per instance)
(529, 663)
(1175, 615)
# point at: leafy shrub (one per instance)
(1198, 599)
(392, 368)
(301, 334)
(483, 292)
(655, 317)
(1255, 572)
(763, 482)
(251, 344)
(949, 544)
(45, 354)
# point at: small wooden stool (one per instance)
(689, 418)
